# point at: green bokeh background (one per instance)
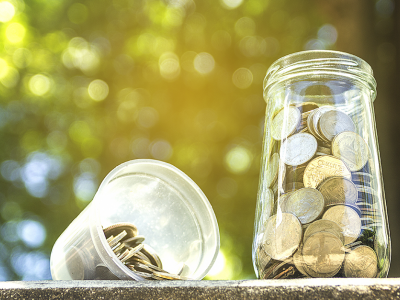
(87, 85)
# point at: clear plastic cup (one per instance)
(167, 207)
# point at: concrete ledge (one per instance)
(330, 288)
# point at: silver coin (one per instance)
(361, 262)
(306, 204)
(117, 228)
(352, 149)
(285, 122)
(282, 235)
(347, 218)
(272, 170)
(267, 206)
(298, 149)
(323, 253)
(299, 262)
(262, 258)
(338, 190)
(325, 226)
(315, 120)
(334, 122)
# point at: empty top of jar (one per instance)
(320, 63)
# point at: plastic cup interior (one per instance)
(167, 207)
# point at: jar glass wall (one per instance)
(321, 206)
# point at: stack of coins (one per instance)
(319, 212)
(126, 243)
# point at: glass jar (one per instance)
(321, 206)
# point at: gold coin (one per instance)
(323, 253)
(298, 149)
(306, 204)
(338, 190)
(285, 122)
(361, 262)
(334, 122)
(352, 149)
(324, 167)
(272, 170)
(347, 218)
(323, 225)
(282, 235)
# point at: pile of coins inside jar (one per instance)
(126, 243)
(318, 210)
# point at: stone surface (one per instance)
(333, 288)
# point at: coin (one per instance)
(310, 126)
(324, 167)
(314, 120)
(164, 275)
(361, 262)
(271, 173)
(323, 225)
(323, 253)
(282, 199)
(356, 208)
(117, 228)
(298, 149)
(152, 255)
(352, 149)
(347, 218)
(299, 262)
(262, 258)
(306, 204)
(338, 190)
(133, 241)
(334, 122)
(285, 122)
(267, 205)
(282, 236)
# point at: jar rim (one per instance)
(321, 63)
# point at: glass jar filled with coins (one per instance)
(321, 206)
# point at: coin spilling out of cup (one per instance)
(323, 198)
(126, 243)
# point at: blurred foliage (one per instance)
(87, 85)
